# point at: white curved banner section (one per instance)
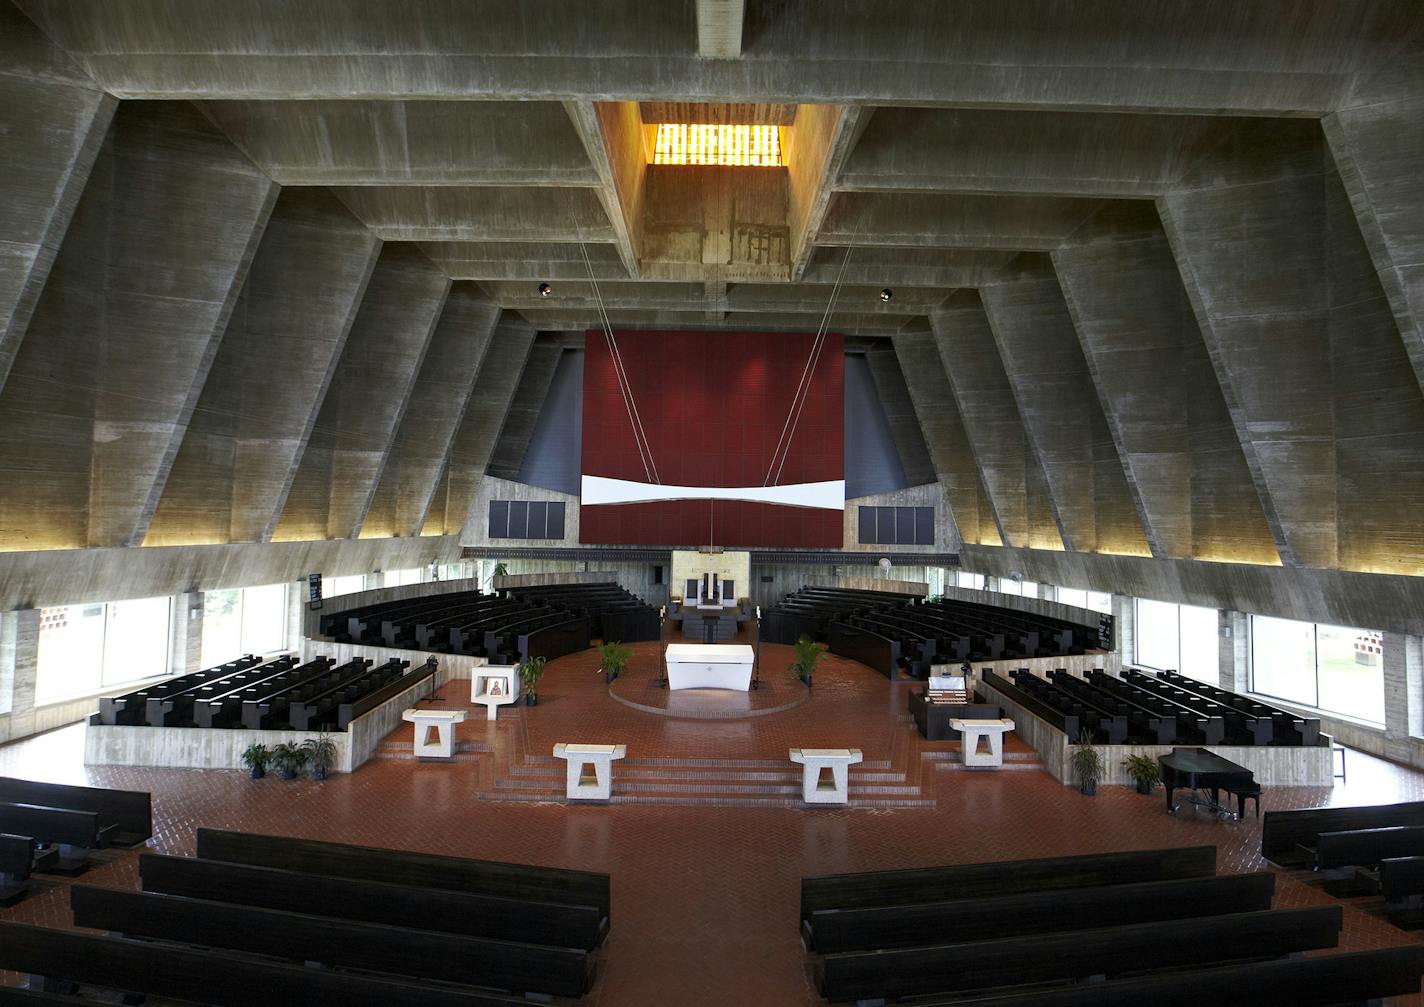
(829, 495)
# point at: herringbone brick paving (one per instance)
(704, 897)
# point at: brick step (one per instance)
(622, 785)
(954, 756)
(1007, 767)
(409, 746)
(623, 772)
(544, 797)
(464, 757)
(537, 760)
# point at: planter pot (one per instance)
(531, 699)
(1089, 787)
(257, 772)
(609, 676)
(318, 772)
(287, 774)
(1144, 786)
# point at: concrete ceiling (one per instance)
(1158, 268)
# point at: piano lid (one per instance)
(1199, 760)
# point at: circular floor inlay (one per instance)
(642, 692)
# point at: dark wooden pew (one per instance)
(348, 711)
(212, 977)
(1322, 981)
(18, 856)
(176, 709)
(318, 707)
(427, 870)
(20, 997)
(223, 708)
(1005, 877)
(336, 943)
(128, 812)
(1016, 961)
(475, 915)
(1284, 833)
(1401, 881)
(1367, 847)
(267, 705)
(833, 930)
(74, 832)
(131, 707)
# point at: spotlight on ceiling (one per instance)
(545, 290)
(886, 294)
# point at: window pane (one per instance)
(399, 578)
(136, 640)
(1351, 672)
(1201, 658)
(1100, 601)
(222, 627)
(334, 587)
(1283, 659)
(1007, 586)
(1156, 634)
(1028, 589)
(264, 619)
(71, 652)
(1073, 596)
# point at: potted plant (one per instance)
(255, 757)
(529, 674)
(613, 659)
(1144, 772)
(808, 654)
(1087, 763)
(321, 751)
(289, 758)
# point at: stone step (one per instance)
(623, 771)
(701, 789)
(708, 800)
(464, 757)
(536, 760)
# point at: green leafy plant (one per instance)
(1087, 763)
(289, 759)
(321, 752)
(500, 570)
(808, 655)
(255, 757)
(529, 674)
(1144, 772)
(613, 658)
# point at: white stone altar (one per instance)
(493, 686)
(973, 730)
(439, 724)
(595, 786)
(813, 760)
(709, 666)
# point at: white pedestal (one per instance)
(709, 666)
(973, 730)
(838, 760)
(597, 786)
(439, 724)
(493, 686)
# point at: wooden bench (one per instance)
(475, 915)
(18, 857)
(1321, 981)
(426, 870)
(1401, 881)
(1284, 833)
(128, 812)
(74, 832)
(963, 881)
(213, 977)
(1345, 860)
(1077, 954)
(337, 943)
(987, 917)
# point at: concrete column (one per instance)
(185, 651)
(1241, 651)
(8, 626)
(895, 400)
(296, 613)
(1395, 661)
(1124, 628)
(1414, 679)
(525, 406)
(1226, 649)
(21, 656)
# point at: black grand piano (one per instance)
(1196, 769)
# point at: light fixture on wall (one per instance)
(886, 294)
(545, 290)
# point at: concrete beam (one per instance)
(426, 431)
(612, 136)
(102, 388)
(374, 379)
(525, 406)
(265, 390)
(920, 220)
(489, 213)
(479, 427)
(54, 119)
(719, 28)
(667, 318)
(808, 298)
(900, 414)
(949, 446)
(1062, 416)
(1160, 56)
(406, 142)
(527, 262)
(947, 269)
(1013, 478)
(822, 138)
(1161, 399)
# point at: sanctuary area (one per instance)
(851, 502)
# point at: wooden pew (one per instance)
(1284, 832)
(834, 930)
(427, 870)
(212, 977)
(475, 915)
(17, 860)
(20, 997)
(75, 832)
(336, 943)
(1367, 847)
(129, 812)
(1078, 954)
(1005, 877)
(1401, 880)
(1321, 981)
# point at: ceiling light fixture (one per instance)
(749, 146)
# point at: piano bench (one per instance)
(1244, 794)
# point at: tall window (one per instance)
(1338, 669)
(84, 649)
(1179, 637)
(334, 587)
(399, 578)
(1097, 601)
(973, 581)
(252, 620)
(1022, 589)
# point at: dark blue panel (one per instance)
(554, 523)
(867, 526)
(924, 526)
(905, 525)
(499, 519)
(537, 511)
(872, 463)
(552, 458)
(885, 525)
(518, 519)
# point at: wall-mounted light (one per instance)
(545, 290)
(886, 294)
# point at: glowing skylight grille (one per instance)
(705, 143)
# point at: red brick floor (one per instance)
(704, 897)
